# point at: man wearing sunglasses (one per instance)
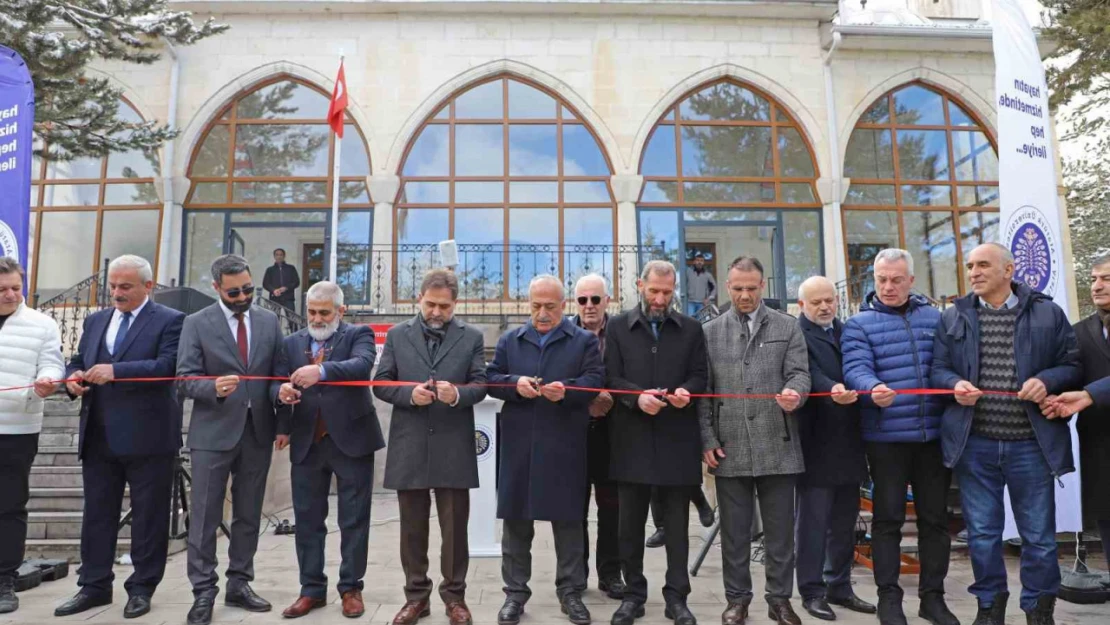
(232, 432)
(591, 292)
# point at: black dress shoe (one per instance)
(818, 607)
(575, 610)
(705, 512)
(613, 587)
(658, 539)
(934, 610)
(244, 597)
(201, 612)
(137, 606)
(680, 614)
(510, 613)
(8, 601)
(627, 613)
(853, 603)
(80, 602)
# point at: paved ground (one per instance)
(277, 581)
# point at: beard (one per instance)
(322, 334)
(435, 324)
(238, 306)
(653, 315)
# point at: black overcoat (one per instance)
(1094, 423)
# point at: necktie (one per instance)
(655, 329)
(241, 338)
(124, 325)
(829, 331)
(1105, 317)
(321, 430)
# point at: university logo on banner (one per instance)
(17, 116)
(1030, 239)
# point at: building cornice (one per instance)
(974, 37)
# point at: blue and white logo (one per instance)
(1032, 244)
(483, 442)
(9, 244)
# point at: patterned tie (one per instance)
(321, 429)
(241, 339)
(124, 325)
(1104, 315)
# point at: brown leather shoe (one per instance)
(302, 606)
(736, 613)
(780, 611)
(352, 604)
(412, 612)
(458, 613)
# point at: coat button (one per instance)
(654, 349)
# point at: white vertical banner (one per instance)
(482, 527)
(1031, 220)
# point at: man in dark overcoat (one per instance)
(431, 441)
(1094, 402)
(542, 470)
(655, 436)
(835, 463)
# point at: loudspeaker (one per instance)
(185, 299)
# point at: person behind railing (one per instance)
(887, 346)
(544, 425)
(431, 441)
(281, 281)
(701, 287)
(1006, 338)
(130, 435)
(31, 345)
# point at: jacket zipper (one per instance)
(917, 372)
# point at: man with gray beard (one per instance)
(334, 430)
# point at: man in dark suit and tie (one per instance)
(130, 436)
(334, 430)
(232, 431)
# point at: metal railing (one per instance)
(851, 293)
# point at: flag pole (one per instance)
(333, 261)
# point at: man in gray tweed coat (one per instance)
(752, 444)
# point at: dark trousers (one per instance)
(247, 465)
(311, 482)
(17, 453)
(105, 476)
(697, 497)
(453, 510)
(1104, 534)
(608, 559)
(825, 540)
(985, 469)
(635, 499)
(736, 497)
(892, 466)
(516, 558)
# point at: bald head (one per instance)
(990, 269)
(817, 297)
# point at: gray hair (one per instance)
(662, 268)
(593, 277)
(130, 261)
(893, 255)
(325, 291)
(814, 281)
(11, 265)
(1007, 255)
(546, 277)
(1099, 261)
(228, 265)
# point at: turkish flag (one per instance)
(338, 103)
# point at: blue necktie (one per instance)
(124, 324)
(655, 329)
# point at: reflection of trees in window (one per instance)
(919, 155)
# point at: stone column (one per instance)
(626, 191)
(383, 192)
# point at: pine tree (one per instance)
(77, 114)
(1078, 74)
(1088, 183)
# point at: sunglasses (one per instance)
(593, 299)
(233, 293)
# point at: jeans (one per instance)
(985, 469)
(693, 308)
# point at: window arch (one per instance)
(91, 209)
(729, 170)
(924, 176)
(513, 174)
(261, 177)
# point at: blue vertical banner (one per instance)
(17, 117)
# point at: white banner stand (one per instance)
(482, 528)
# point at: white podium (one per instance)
(482, 528)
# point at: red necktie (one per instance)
(241, 338)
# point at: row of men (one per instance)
(897, 341)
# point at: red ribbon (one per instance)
(372, 383)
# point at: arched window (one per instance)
(510, 172)
(261, 179)
(729, 171)
(91, 209)
(924, 174)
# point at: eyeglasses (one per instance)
(233, 293)
(593, 299)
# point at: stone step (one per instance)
(49, 525)
(56, 477)
(69, 548)
(61, 423)
(63, 500)
(50, 456)
(58, 439)
(60, 405)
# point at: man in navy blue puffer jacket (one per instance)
(888, 347)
